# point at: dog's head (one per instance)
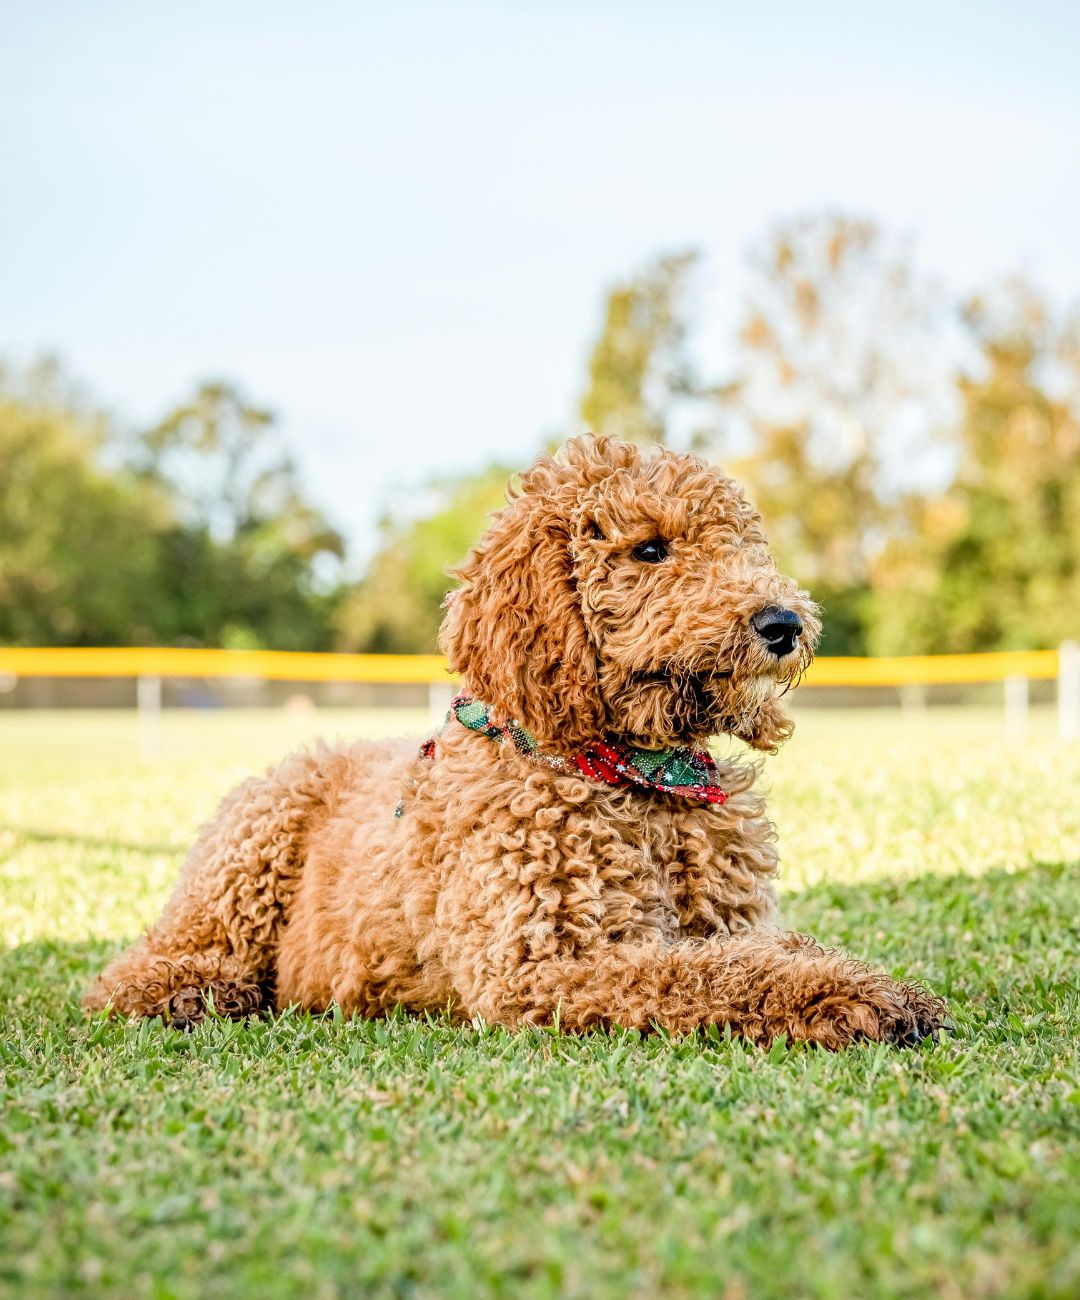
(628, 593)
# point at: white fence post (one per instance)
(148, 699)
(439, 696)
(1016, 707)
(913, 699)
(1068, 691)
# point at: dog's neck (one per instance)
(688, 773)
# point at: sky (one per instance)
(394, 223)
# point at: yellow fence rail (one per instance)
(933, 670)
(268, 665)
(282, 665)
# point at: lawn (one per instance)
(318, 1157)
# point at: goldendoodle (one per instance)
(565, 848)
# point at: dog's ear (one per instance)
(768, 728)
(513, 628)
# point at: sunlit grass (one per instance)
(321, 1157)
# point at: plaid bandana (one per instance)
(687, 772)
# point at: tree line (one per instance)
(916, 459)
(193, 532)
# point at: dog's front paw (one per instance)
(917, 1015)
(878, 1010)
(229, 999)
(186, 1008)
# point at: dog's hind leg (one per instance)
(217, 937)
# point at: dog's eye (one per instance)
(650, 552)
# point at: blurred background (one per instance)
(286, 292)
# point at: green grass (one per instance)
(318, 1157)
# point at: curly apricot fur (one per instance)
(511, 891)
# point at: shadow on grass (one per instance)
(979, 940)
(892, 903)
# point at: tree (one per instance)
(397, 607)
(641, 386)
(994, 562)
(206, 538)
(78, 542)
(833, 375)
(248, 565)
(640, 374)
(228, 471)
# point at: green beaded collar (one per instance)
(689, 773)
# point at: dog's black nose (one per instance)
(778, 628)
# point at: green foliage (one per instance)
(995, 562)
(639, 370)
(79, 562)
(310, 1157)
(243, 567)
(840, 383)
(219, 457)
(397, 607)
(841, 356)
(827, 365)
(205, 537)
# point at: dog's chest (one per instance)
(698, 871)
(578, 863)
